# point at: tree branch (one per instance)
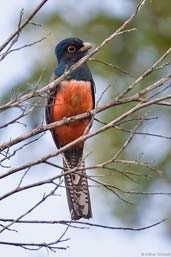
(22, 26)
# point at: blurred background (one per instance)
(31, 67)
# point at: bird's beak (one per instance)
(85, 46)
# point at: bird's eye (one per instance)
(71, 49)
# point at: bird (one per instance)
(75, 94)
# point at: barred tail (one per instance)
(77, 185)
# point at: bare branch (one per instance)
(145, 74)
(154, 93)
(31, 209)
(112, 66)
(52, 246)
(114, 122)
(139, 163)
(65, 222)
(144, 133)
(22, 26)
(53, 84)
(9, 50)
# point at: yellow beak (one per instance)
(86, 46)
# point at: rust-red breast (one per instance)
(72, 98)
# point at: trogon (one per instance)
(73, 95)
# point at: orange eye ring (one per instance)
(71, 49)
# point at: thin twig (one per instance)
(53, 84)
(112, 66)
(30, 210)
(22, 26)
(66, 222)
(3, 55)
(145, 74)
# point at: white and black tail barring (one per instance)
(76, 185)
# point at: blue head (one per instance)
(71, 50)
(68, 52)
